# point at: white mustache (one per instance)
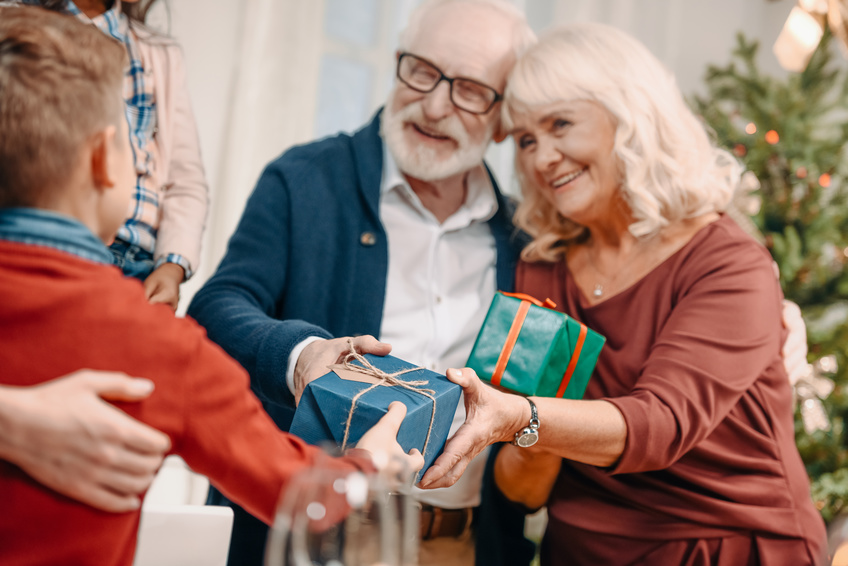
(448, 126)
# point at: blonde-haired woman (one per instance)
(683, 452)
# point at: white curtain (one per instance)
(272, 104)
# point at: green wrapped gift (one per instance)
(527, 347)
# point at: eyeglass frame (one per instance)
(450, 80)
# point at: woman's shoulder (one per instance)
(723, 246)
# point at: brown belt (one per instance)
(437, 522)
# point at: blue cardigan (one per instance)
(299, 266)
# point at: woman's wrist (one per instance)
(519, 415)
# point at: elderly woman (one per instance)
(683, 451)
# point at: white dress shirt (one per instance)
(441, 280)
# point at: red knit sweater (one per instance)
(58, 314)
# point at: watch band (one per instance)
(529, 435)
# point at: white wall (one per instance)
(210, 33)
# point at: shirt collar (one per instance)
(53, 230)
(480, 201)
(112, 22)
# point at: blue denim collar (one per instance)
(50, 229)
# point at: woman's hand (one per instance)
(526, 475)
(491, 416)
(163, 285)
(794, 350)
(65, 435)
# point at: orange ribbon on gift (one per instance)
(515, 330)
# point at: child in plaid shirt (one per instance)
(160, 241)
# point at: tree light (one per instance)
(750, 128)
(772, 137)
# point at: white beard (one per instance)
(423, 162)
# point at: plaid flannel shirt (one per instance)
(141, 226)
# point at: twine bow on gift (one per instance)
(387, 380)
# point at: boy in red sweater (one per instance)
(66, 177)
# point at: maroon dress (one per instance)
(710, 473)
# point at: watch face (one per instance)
(527, 438)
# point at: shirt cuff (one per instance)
(179, 260)
(295, 354)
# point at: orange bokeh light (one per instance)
(751, 128)
(801, 172)
(824, 180)
(772, 137)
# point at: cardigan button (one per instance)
(368, 238)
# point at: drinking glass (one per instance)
(331, 517)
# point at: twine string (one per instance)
(388, 380)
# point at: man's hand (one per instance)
(381, 441)
(64, 435)
(794, 350)
(315, 358)
(163, 285)
(490, 416)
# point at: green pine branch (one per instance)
(803, 174)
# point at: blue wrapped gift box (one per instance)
(323, 410)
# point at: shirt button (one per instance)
(368, 238)
(438, 299)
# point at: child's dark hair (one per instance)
(60, 82)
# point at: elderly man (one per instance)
(398, 231)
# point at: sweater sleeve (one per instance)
(239, 304)
(185, 198)
(228, 437)
(719, 340)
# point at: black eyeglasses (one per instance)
(466, 94)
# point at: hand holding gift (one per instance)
(342, 405)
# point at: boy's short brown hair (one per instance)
(60, 82)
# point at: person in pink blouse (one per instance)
(683, 450)
(160, 241)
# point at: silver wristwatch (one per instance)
(529, 435)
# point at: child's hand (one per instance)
(163, 285)
(381, 442)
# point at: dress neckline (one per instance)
(585, 303)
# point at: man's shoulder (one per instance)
(337, 151)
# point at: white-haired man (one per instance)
(398, 231)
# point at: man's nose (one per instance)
(437, 103)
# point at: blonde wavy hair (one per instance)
(670, 168)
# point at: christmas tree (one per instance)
(792, 133)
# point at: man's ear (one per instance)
(103, 157)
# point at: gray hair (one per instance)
(522, 36)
